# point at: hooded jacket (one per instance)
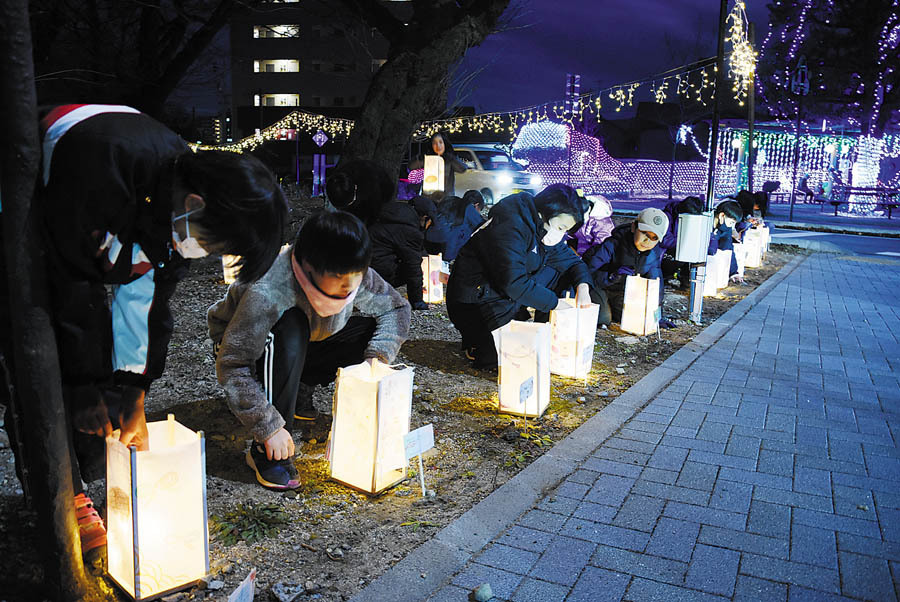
(241, 321)
(500, 261)
(397, 247)
(456, 234)
(618, 250)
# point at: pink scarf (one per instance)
(323, 304)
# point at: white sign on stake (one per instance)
(418, 442)
(246, 590)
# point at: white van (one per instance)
(491, 170)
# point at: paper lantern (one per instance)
(432, 289)
(229, 268)
(434, 174)
(753, 245)
(709, 275)
(523, 355)
(639, 309)
(739, 256)
(723, 267)
(693, 237)
(370, 417)
(572, 333)
(156, 511)
(766, 238)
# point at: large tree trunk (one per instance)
(39, 394)
(412, 85)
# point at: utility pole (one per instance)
(751, 115)
(800, 87)
(717, 108)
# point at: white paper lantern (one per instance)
(156, 511)
(740, 253)
(639, 309)
(710, 275)
(229, 268)
(753, 244)
(693, 237)
(434, 174)
(723, 267)
(572, 333)
(523, 355)
(370, 417)
(432, 289)
(766, 238)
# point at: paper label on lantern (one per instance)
(246, 590)
(657, 315)
(526, 390)
(419, 441)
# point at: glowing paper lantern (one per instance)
(739, 255)
(523, 353)
(156, 511)
(723, 268)
(432, 289)
(371, 410)
(572, 333)
(640, 314)
(229, 268)
(753, 245)
(693, 237)
(710, 278)
(434, 174)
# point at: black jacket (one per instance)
(106, 212)
(499, 262)
(616, 251)
(397, 244)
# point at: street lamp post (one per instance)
(800, 87)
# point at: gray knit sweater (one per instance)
(240, 322)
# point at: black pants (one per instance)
(290, 358)
(670, 268)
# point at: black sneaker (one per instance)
(306, 414)
(280, 475)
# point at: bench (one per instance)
(885, 198)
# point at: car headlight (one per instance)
(536, 180)
(504, 179)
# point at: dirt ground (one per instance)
(325, 541)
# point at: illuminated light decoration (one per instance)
(156, 511)
(641, 305)
(320, 138)
(523, 356)
(865, 174)
(572, 333)
(434, 174)
(371, 409)
(416, 176)
(742, 60)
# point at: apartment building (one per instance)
(293, 54)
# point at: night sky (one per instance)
(608, 42)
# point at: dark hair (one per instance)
(746, 200)
(731, 209)
(448, 148)
(336, 242)
(245, 208)
(690, 205)
(360, 187)
(762, 201)
(559, 199)
(474, 198)
(453, 209)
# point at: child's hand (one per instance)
(583, 295)
(279, 446)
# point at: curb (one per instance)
(430, 566)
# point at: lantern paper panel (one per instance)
(573, 330)
(434, 174)
(710, 278)
(639, 309)
(752, 249)
(739, 256)
(229, 268)
(156, 511)
(523, 356)
(723, 267)
(766, 238)
(693, 237)
(432, 288)
(371, 412)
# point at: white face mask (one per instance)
(553, 236)
(189, 248)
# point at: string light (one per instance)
(742, 60)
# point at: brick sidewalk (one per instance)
(768, 470)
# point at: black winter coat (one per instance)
(397, 243)
(616, 251)
(500, 261)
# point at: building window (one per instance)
(276, 66)
(377, 63)
(276, 31)
(276, 100)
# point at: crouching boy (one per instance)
(295, 325)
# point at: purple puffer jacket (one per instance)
(593, 232)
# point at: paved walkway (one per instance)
(767, 469)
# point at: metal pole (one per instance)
(45, 431)
(751, 116)
(717, 107)
(796, 158)
(672, 165)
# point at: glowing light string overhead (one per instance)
(742, 60)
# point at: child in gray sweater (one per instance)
(294, 325)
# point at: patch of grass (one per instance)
(248, 522)
(478, 406)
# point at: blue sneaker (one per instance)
(280, 475)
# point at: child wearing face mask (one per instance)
(295, 325)
(514, 261)
(632, 249)
(728, 214)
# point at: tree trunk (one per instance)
(412, 86)
(45, 430)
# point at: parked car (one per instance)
(492, 171)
